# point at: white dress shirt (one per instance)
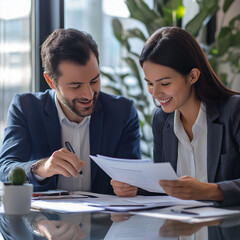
(192, 156)
(78, 136)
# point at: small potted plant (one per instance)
(17, 193)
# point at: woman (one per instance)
(197, 124)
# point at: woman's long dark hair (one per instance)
(175, 48)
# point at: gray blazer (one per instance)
(223, 145)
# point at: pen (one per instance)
(55, 197)
(183, 212)
(49, 194)
(196, 207)
(69, 148)
(90, 196)
(126, 205)
(108, 206)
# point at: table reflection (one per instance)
(99, 225)
(138, 227)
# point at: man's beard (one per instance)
(73, 106)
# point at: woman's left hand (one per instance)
(123, 189)
(190, 188)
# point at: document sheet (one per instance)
(139, 173)
(64, 206)
(96, 202)
(192, 214)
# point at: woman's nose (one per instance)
(156, 91)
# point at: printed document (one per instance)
(140, 173)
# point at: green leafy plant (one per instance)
(130, 83)
(224, 50)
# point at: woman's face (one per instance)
(171, 89)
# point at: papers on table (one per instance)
(114, 203)
(64, 206)
(182, 210)
(191, 214)
(140, 173)
(70, 203)
(108, 202)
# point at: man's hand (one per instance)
(59, 230)
(123, 189)
(62, 162)
(189, 188)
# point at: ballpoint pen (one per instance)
(50, 194)
(69, 148)
(184, 211)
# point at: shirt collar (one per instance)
(201, 120)
(202, 117)
(62, 117)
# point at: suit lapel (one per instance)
(214, 141)
(51, 122)
(96, 127)
(170, 143)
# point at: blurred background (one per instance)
(120, 27)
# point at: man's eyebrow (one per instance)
(79, 83)
(157, 80)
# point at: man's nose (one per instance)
(87, 91)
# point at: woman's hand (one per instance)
(190, 188)
(174, 228)
(123, 189)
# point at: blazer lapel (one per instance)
(170, 143)
(96, 126)
(51, 122)
(214, 141)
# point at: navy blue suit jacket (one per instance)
(223, 144)
(33, 132)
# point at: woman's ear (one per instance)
(194, 75)
(49, 80)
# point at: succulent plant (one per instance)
(17, 176)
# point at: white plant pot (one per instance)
(17, 199)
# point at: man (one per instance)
(74, 111)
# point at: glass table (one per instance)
(114, 226)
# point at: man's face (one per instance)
(78, 88)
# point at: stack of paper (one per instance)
(192, 214)
(140, 173)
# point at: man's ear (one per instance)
(194, 75)
(49, 81)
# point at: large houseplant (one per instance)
(131, 83)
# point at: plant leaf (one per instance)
(132, 64)
(117, 30)
(227, 4)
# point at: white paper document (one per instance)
(64, 206)
(143, 174)
(124, 204)
(190, 214)
(96, 202)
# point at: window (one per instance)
(15, 53)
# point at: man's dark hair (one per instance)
(66, 44)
